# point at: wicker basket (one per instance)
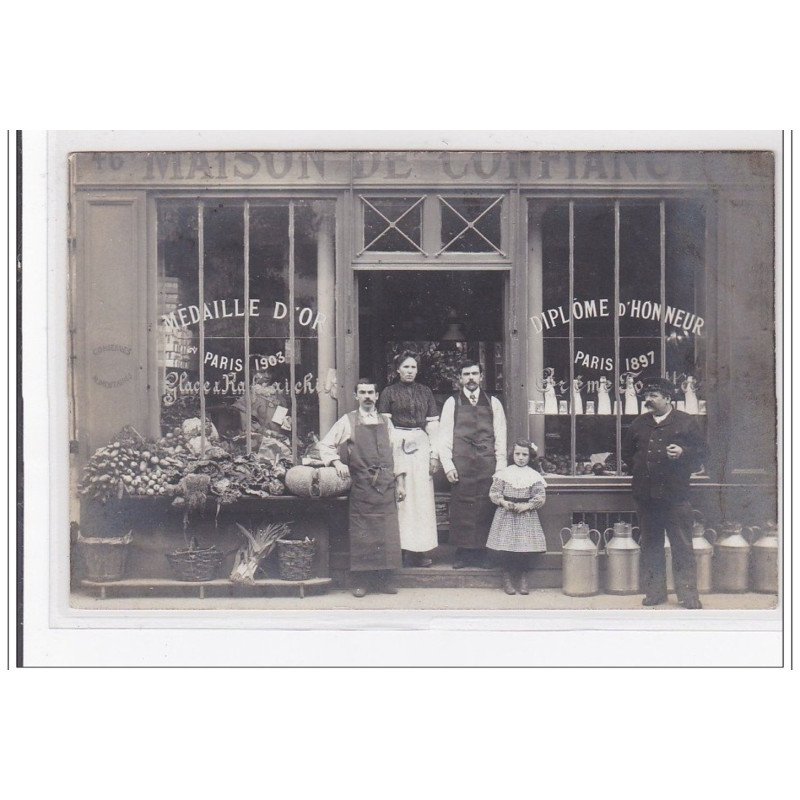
(296, 559)
(104, 559)
(195, 565)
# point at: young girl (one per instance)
(516, 532)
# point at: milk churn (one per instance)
(622, 568)
(731, 560)
(703, 553)
(580, 574)
(765, 560)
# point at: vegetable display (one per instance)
(134, 466)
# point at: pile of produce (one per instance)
(133, 466)
(258, 545)
(129, 465)
(233, 476)
(555, 464)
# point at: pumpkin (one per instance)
(315, 482)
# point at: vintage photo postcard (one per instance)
(420, 379)
(321, 385)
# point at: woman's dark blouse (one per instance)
(410, 404)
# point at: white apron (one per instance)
(417, 513)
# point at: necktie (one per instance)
(473, 398)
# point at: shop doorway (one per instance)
(444, 316)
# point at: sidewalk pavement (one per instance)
(471, 599)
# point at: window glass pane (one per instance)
(314, 353)
(593, 324)
(471, 224)
(392, 224)
(223, 272)
(685, 335)
(269, 271)
(551, 396)
(178, 308)
(640, 296)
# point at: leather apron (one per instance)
(471, 510)
(374, 529)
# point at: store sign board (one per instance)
(525, 168)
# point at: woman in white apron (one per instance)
(415, 416)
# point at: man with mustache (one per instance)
(472, 447)
(663, 447)
(365, 446)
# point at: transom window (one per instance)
(432, 227)
(393, 225)
(471, 224)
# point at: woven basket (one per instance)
(104, 559)
(195, 565)
(296, 559)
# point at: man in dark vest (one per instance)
(662, 448)
(364, 445)
(472, 447)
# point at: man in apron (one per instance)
(472, 447)
(364, 445)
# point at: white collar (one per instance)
(368, 414)
(663, 416)
(519, 477)
(468, 393)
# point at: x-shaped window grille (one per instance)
(471, 225)
(391, 224)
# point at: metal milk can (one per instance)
(703, 553)
(765, 559)
(580, 574)
(622, 569)
(731, 560)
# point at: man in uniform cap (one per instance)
(663, 447)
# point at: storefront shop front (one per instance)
(253, 289)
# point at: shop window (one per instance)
(246, 322)
(471, 224)
(392, 225)
(621, 302)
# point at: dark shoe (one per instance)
(692, 602)
(508, 583)
(413, 559)
(524, 587)
(359, 591)
(654, 599)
